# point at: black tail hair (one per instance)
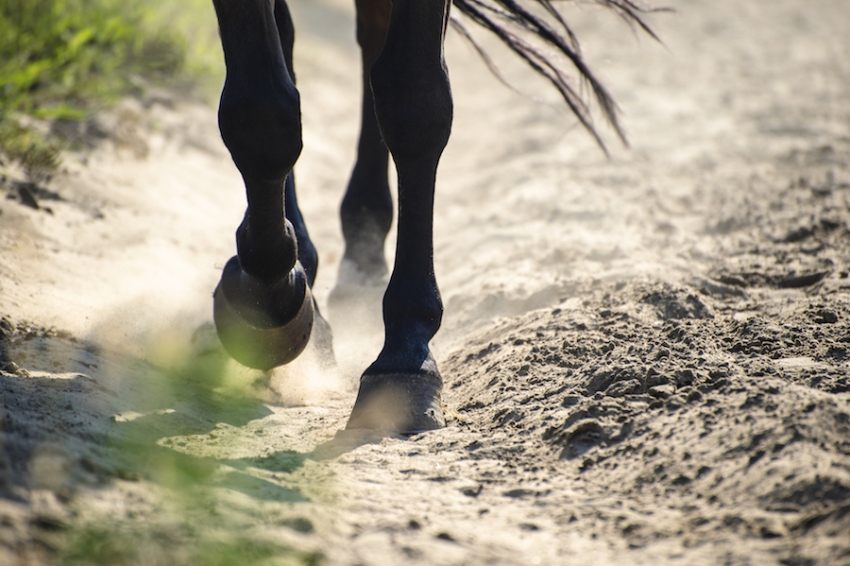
(513, 20)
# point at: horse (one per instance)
(263, 307)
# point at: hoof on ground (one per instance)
(247, 336)
(398, 402)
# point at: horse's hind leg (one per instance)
(367, 207)
(263, 308)
(401, 389)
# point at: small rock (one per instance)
(299, 524)
(826, 316)
(662, 391)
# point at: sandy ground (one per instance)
(647, 358)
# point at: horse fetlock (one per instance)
(365, 235)
(415, 298)
(267, 247)
(308, 257)
(367, 203)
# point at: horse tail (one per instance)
(516, 21)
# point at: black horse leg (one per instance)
(322, 336)
(306, 251)
(307, 256)
(401, 389)
(263, 308)
(367, 207)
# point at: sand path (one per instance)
(647, 358)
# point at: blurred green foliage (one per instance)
(98, 546)
(61, 59)
(192, 504)
(55, 55)
(38, 154)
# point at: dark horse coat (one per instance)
(263, 308)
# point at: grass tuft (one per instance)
(63, 59)
(37, 154)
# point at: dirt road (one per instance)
(647, 358)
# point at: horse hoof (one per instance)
(398, 402)
(254, 327)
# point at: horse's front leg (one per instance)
(263, 308)
(401, 390)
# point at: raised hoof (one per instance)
(398, 402)
(247, 331)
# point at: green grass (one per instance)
(63, 59)
(38, 154)
(94, 545)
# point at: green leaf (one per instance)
(81, 38)
(61, 112)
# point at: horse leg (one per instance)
(401, 389)
(306, 250)
(366, 212)
(367, 207)
(322, 336)
(263, 308)
(308, 257)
